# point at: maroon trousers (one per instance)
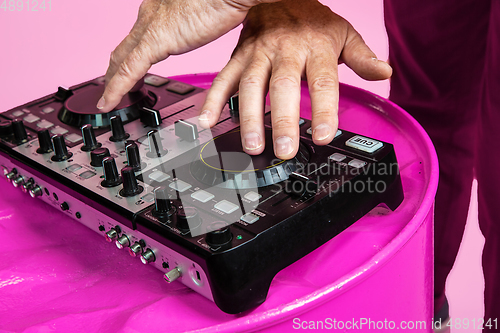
(446, 60)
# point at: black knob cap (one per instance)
(45, 142)
(155, 145)
(5, 128)
(221, 234)
(150, 117)
(61, 152)
(163, 206)
(111, 176)
(130, 185)
(89, 140)
(133, 156)
(98, 155)
(20, 135)
(188, 219)
(117, 129)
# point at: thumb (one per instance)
(358, 57)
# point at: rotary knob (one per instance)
(20, 135)
(44, 142)
(89, 140)
(61, 152)
(133, 157)
(148, 256)
(111, 176)
(221, 234)
(5, 128)
(155, 145)
(117, 129)
(163, 206)
(98, 155)
(130, 185)
(188, 219)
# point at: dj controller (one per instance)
(186, 199)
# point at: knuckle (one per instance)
(285, 81)
(251, 80)
(323, 83)
(284, 123)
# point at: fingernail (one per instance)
(101, 103)
(283, 145)
(205, 116)
(252, 141)
(321, 132)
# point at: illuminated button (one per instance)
(31, 118)
(310, 132)
(148, 197)
(58, 130)
(180, 88)
(252, 196)
(226, 206)
(180, 186)
(87, 174)
(249, 218)
(202, 196)
(48, 110)
(357, 163)
(155, 81)
(74, 167)
(158, 176)
(44, 124)
(363, 143)
(73, 138)
(337, 157)
(17, 113)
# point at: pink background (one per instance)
(72, 42)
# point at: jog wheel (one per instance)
(80, 108)
(222, 163)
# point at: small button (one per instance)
(180, 88)
(180, 186)
(301, 121)
(17, 113)
(249, 218)
(87, 174)
(148, 197)
(310, 132)
(202, 196)
(252, 196)
(44, 124)
(48, 110)
(74, 167)
(363, 143)
(226, 206)
(337, 157)
(73, 138)
(155, 81)
(357, 163)
(158, 176)
(31, 118)
(58, 130)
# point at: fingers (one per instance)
(358, 56)
(131, 70)
(223, 87)
(322, 78)
(252, 97)
(284, 93)
(146, 12)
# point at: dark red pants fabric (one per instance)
(446, 60)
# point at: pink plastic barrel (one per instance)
(58, 275)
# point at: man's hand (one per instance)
(280, 43)
(164, 28)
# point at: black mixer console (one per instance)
(186, 199)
